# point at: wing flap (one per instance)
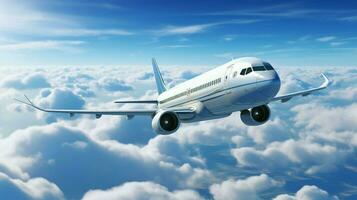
(287, 97)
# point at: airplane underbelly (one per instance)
(204, 113)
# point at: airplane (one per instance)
(246, 84)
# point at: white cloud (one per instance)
(61, 45)
(31, 81)
(68, 152)
(311, 157)
(308, 192)
(174, 30)
(337, 43)
(198, 28)
(249, 188)
(292, 147)
(30, 18)
(326, 38)
(141, 191)
(188, 74)
(314, 116)
(57, 98)
(349, 93)
(35, 188)
(275, 130)
(177, 46)
(90, 32)
(112, 84)
(349, 18)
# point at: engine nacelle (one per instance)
(255, 116)
(165, 122)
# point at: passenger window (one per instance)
(243, 71)
(248, 70)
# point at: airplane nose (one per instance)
(269, 84)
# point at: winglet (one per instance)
(29, 103)
(28, 100)
(160, 84)
(326, 83)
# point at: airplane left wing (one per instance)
(97, 113)
(287, 97)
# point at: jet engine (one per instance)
(255, 116)
(165, 122)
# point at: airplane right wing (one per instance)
(287, 97)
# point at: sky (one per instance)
(85, 55)
(207, 33)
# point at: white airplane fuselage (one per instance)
(223, 90)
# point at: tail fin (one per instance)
(160, 84)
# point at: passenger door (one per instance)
(227, 77)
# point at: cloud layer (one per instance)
(294, 156)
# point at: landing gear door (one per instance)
(227, 77)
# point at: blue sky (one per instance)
(304, 33)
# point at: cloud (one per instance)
(58, 151)
(285, 10)
(31, 81)
(297, 146)
(57, 98)
(112, 84)
(337, 43)
(61, 45)
(188, 74)
(326, 39)
(311, 157)
(146, 76)
(275, 130)
(35, 188)
(349, 93)
(90, 32)
(282, 10)
(174, 30)
(177, 46)
(229, 37)
(198, 28)
(343, 117)
(349, 18)
(141, 190)
(308, 192)
(250, 188)
(30, 18)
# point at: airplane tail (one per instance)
(160, 84)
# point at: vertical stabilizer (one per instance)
(160, 84)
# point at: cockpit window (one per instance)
(248, 70)
(268, 66)
(259, 68)
(243, 71)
